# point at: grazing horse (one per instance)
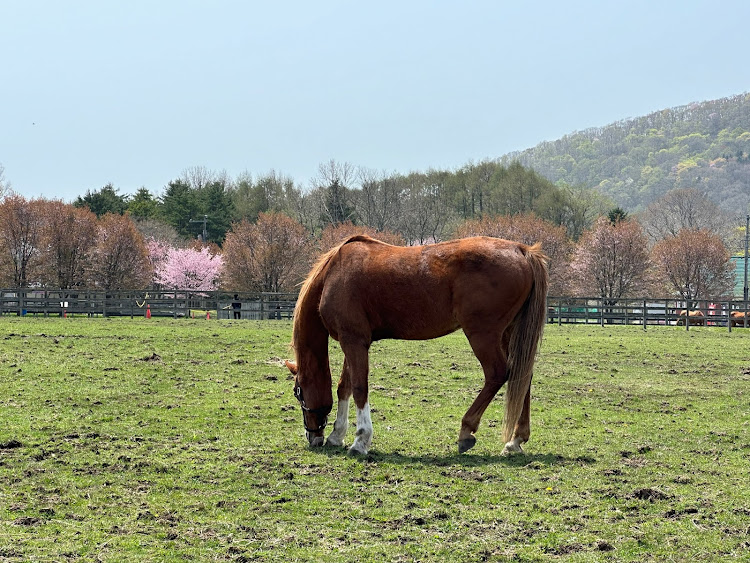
(365, 290)
(739, 318)
(695, 318)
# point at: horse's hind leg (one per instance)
(492, 354)
(344, 393)
(522, 430)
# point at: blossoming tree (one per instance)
(187, 268)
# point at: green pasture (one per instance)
(180, 440)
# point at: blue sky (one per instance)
(135, 92)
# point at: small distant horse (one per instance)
(695, 318)
(365, 290)
(738, 318)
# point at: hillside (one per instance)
(702, 145)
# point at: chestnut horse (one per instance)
(739, 318)
(695, 318)
(365, 290)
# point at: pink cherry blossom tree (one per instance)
(158, 252)
(188, 269)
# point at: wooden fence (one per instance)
(161, 303)
(224, 305)
(645, 312)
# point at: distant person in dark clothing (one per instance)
(237, 307)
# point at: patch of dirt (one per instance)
(636, 462)
(565, 549)
(674, 513)
(467, 475)
(154, 357)
(10, 445)
(649, 494)
(27, 521)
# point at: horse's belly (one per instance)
(415, 325)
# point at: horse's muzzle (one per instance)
(315, 438)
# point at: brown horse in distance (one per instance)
(365, 290)
(739, 318)
(695, 318)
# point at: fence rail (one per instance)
(226, 305)
(645, 312)
(161, 303)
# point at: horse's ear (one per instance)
(292, 366)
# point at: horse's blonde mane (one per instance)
(315, 275)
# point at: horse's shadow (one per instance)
(456, 459)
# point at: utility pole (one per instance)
(205, 221)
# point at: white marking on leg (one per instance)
(364, 431)
(336, 438)
(513, 447)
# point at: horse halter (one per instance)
(320, 411)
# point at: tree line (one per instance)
(680, 246)
(420, 206)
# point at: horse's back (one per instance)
(423, 291)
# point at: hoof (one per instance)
(333, 441)
(512, 448)
(466, 444)
(355, 451)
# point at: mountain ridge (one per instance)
(702, 145)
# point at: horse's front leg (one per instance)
(344, 393)
(357, 360)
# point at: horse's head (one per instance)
(315, 405)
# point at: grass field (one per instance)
(164, 440)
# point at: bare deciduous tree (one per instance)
(332, 187)
(21, 223)
(5, 187)
(272, 254)
(68, 236)
(119, 257)
(378, 201)
(199, 177)
(695, 264)
(611, 261)
(683, 209)
(160, 231)
(426, 208)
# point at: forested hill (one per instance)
(701, 145)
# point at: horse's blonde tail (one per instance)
(526, 333)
